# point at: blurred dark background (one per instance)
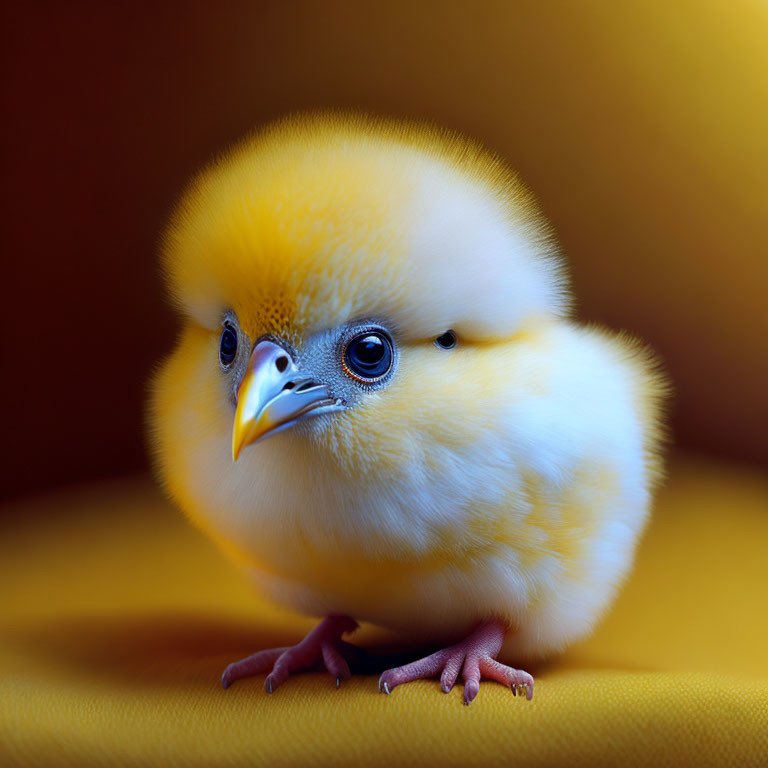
(641, 126)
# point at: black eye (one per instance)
(446, 340)
(368, 356)
(227, 346)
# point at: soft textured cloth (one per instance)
(117, 619)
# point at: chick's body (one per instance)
(507, 477)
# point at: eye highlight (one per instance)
(227, 346)
(368, 356)
(446, 340)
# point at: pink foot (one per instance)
(323, 643)
(475, 657)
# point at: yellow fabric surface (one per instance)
(118, 618)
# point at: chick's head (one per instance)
(344, 282)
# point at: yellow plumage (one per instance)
(503, 479)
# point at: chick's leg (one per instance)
(322, 645)
(474, 657)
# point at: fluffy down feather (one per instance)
(508, 477)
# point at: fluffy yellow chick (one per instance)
(448, 454)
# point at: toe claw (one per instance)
(338, 682)
(268, 684)
(471, 689)
(522, 689)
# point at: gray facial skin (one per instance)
(318, 357)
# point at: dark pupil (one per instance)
(446, 340)
(369, 351)
(369, 356)
(227, 346)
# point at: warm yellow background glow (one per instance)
(641, 126)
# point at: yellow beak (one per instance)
(273, 396)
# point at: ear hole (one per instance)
(446, 340)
